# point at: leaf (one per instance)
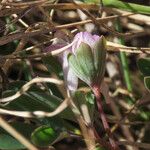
(147, 82)
(44, 136)
(144, 66)
(37, 99)
(136, 8)
(91, 1)
(7, 142)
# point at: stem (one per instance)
(101, 141)
(124, 61)
(88, 136)
(87, 132)
(97, 94)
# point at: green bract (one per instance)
(88, 63)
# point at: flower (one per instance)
(88, 58)
(85, 59)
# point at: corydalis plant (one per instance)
(87, 61)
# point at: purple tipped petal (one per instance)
(85, 37)
(96, 37)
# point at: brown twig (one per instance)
(15, 36)
(101, 24)
(26, 86)
(36, 114)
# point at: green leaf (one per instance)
(91, 1)
(136, 8)
(100, 58)
(144, 66)
(44, 136)
(127, 6)
(147, 82)
(37, 99)
(7, 142)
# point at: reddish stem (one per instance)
(97, 94)
(101, 141)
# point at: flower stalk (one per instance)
(96, 91)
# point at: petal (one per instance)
(96, 37)
(85, 37)
(71, 80)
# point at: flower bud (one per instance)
(88, 58)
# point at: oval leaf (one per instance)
(7, 142)
(44, 136)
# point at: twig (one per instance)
(101, 24)
(15, 36)
(36, 114)
(28, 85)
(52, 53)
(137, 103)
(31, 3)
(113, 47)
(118, 47)
(125, 130)
(137, 144)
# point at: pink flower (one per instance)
(88, 59)
(70, 74)
(84, 37)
